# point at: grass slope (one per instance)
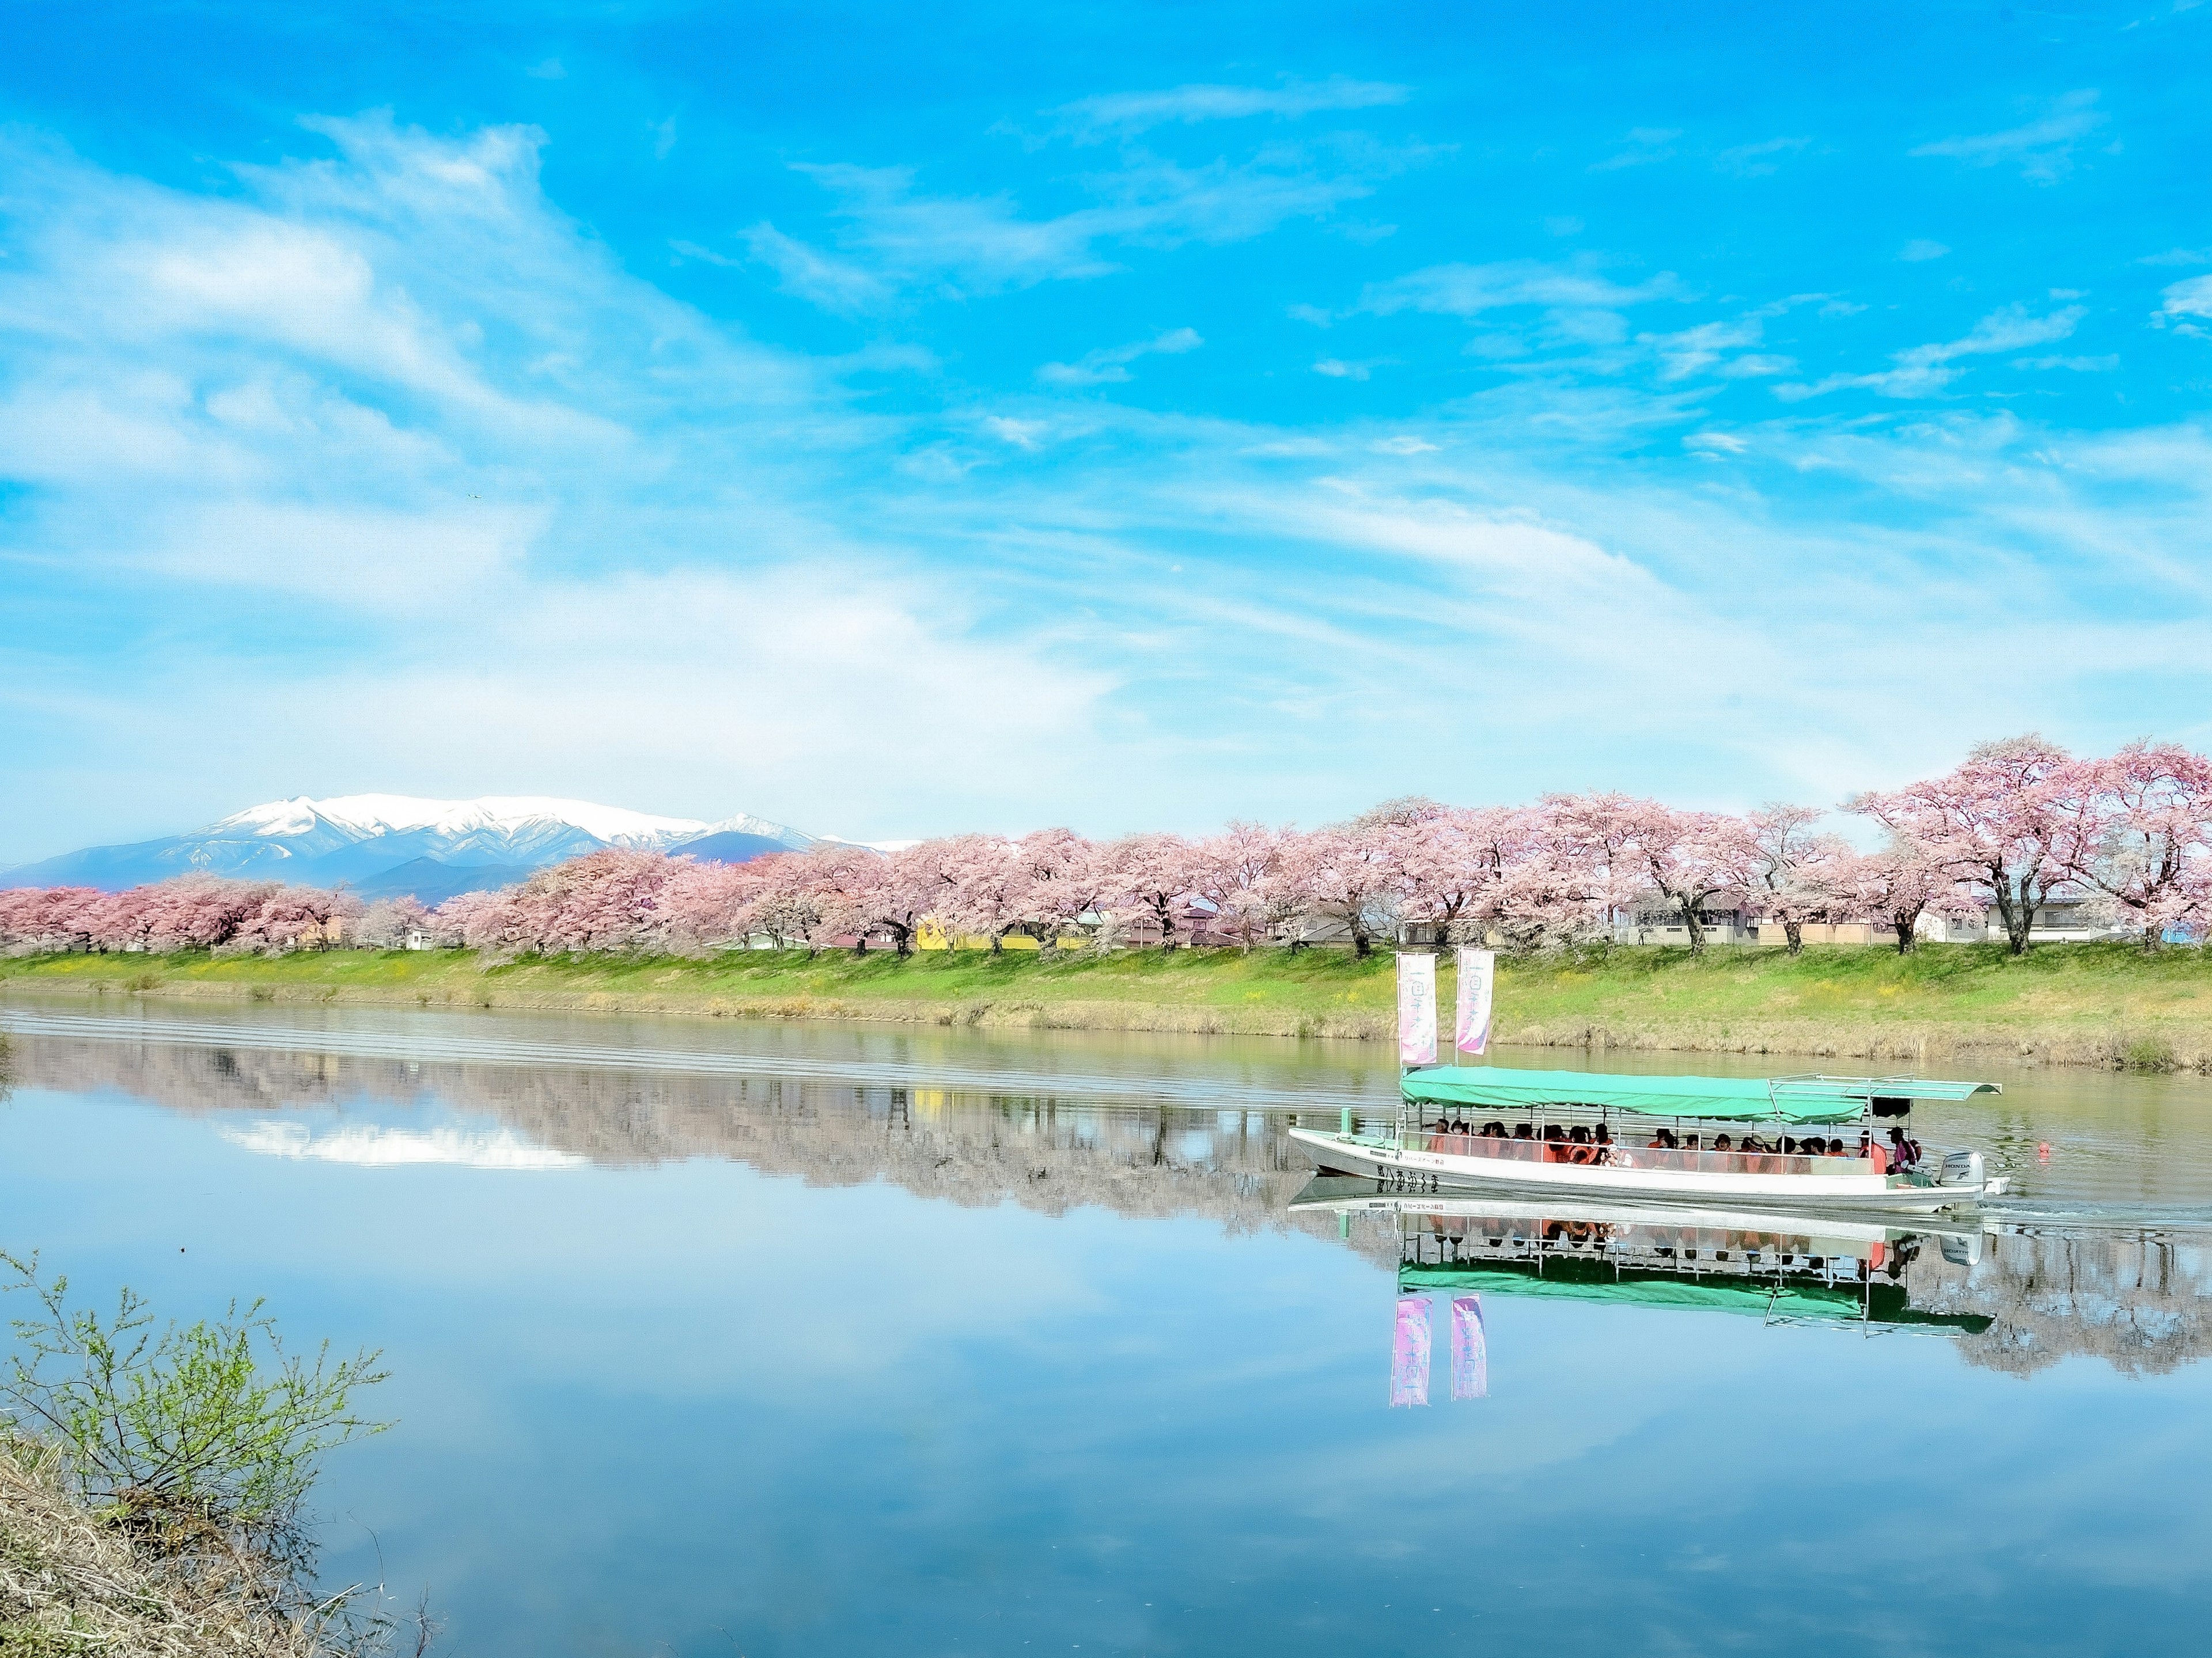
(2066, 1004)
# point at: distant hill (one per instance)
(731, 847)
(366, 840)
(429, 881)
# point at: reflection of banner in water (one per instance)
(1417, 1010)
(1470, 1352)
(1409, 1353)
(1478, 977)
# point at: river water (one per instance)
(711, 1337)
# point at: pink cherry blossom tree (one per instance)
(1150, 878)
(985, 889)
(1062, 878)
(1238, 874)
(2142, 837)
(1344, 873)
(1901, 882)
(1797, 870)
(2006, 817)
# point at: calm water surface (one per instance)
(712, 1337)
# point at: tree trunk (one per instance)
(1360, 942)
(2015, 910)
(1795, 931)
(1689, 909)
(1908, 937)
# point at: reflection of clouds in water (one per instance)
(378, 1147)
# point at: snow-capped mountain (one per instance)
(451, 846)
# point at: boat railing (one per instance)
(1638, 1157)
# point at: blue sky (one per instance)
(895, 419)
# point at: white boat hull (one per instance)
(1381, 1159)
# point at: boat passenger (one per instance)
(1493, 1130)
(1579, 1139)
(1902, 1153)
(1521, 1132)
(1662, 1141)
(1602, 1136)
(1835, 1147)
(1720, 1142)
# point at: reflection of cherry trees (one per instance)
(2017, 825)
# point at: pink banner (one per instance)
(1478, 976)
(1409, 1353)
(1417, 1010)
(1470, 1352)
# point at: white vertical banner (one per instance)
(1478, 983)
(1417, 1009)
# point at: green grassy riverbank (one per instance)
(2100, 1004)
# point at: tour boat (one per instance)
(1674, 1139)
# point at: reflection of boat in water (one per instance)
(1783, 1268)
(1797, 1142)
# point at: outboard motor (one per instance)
(1962, 1168)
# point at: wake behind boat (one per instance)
(1803, 1142)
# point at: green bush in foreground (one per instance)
(152, 1484)
(175, 1429)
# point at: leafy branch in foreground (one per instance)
(180, 1430)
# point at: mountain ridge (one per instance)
(385, 844)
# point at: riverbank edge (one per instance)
(2138, 1043)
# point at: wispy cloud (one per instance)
(1122, 114)
(1470, 290)
(1920, 250)
(1645, 145)
(1756, 161)
(810, 273)
(2185, 302)
(1921, 370)
(1110, 365)
(902, 235)
(1715, 348)
(2042, 148)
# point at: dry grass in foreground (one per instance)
(72, 1584)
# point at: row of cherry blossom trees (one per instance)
(2017, 827)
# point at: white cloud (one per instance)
(1027, 434)
(2184, 301)
(2043, 147)
(1121, 115)
(822, 278)
(1756, 161)
(978, 244)
(1645, 146)
(1921, 370)
(1470, 290)
(1110, 365)
(1336, 369)
(1714, 346)
(1921, 249)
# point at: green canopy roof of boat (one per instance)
(1879, 1303)
(1721, 1099)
